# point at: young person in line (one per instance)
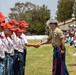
(2, 51)
(2, 45)
(24, 26)
(8, 31)
(19, 47)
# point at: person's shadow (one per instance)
(71, 64)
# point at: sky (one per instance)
(5, 5)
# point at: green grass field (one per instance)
(39, 60)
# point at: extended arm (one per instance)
(31, 45)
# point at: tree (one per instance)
(39, 17)
(75, 10)
(36, 16)
(65, 10)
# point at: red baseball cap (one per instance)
(3, 24)
(23, 25)
(12, 29)
(7, 25)
(23, 21)
(17, 30)
(13, 22)
(2, 17)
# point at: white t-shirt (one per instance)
(74, 42)
(24, 38)
(2, 34)
(14, 37)
(2, 48)
(71, 38)
(20, 44)
(9, 45)
(2, 45)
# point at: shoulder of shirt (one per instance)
(22, 35)
(2, 33)
(58, 30)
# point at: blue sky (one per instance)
(5, 5)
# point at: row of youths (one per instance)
(71, 40)
(13, 44)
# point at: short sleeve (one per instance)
(60, 34)
(14, 37)
(24, 38)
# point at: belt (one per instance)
(1, 59)
(56, 46)
(20, 52)
(11, 56)
(16, 50)
(7, 53)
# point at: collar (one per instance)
(1, 36)
(19, 37)
(6, 35)
(24, 33)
